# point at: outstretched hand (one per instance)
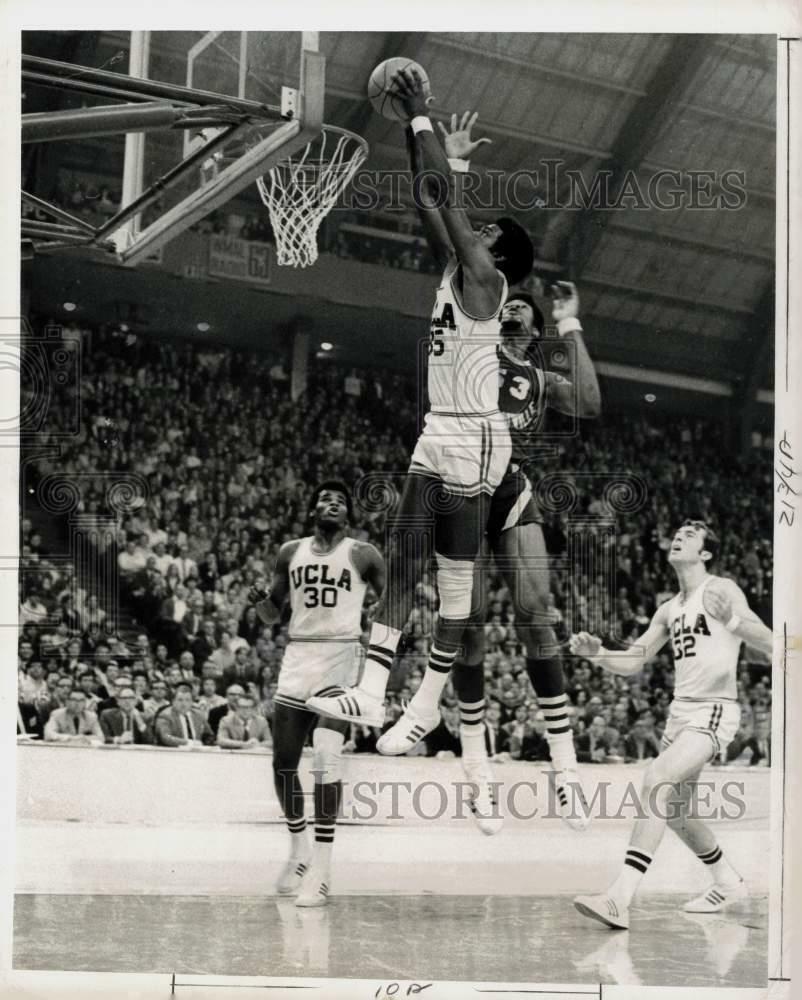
(412, 91)
(458, 142)
(584, 644)
(565, 304)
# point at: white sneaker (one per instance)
(407, 732)
(571, 802)
(717, 897)
(291, 875)
(314, 890)
(604, 909)
(351, 705)
(483, 803)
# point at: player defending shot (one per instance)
(515, 538)
(325, 576)
(461, 456)
(706, 623)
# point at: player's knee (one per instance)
(455, 583)
(327, 747)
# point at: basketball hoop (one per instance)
(302, 189)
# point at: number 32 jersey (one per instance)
(326, 592)
(705, 652)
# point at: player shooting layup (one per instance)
(464, 450)
(325, 577)
(706, 623)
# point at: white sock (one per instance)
(381, 652)
(426, 699)
(472, 739)
(563, 752)
(299, 845)
(725, 874)
(636, 865)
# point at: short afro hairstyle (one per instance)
(515, 246)
(332, 484)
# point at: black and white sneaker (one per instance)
(604, 909)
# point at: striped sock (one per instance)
(298, 842)
(722, 871)
(471, 730)
(427, 697)
(558, 731)
(324, 839)
(379, 659)
(636, 864)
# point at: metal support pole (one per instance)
(134, 161)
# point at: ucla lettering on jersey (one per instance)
(522, 400)
(705, 651)
(326, 592)
(463, 364)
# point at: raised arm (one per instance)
(581, 395)
(270, 602)
(482, 282)
(426, 205)
(624, 661)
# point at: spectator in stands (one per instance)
(592, 746)
(209, 698)
(33, 687)
(233, 693)
(639, 744)
(124, 724)
(87, 682)
(74, 723)
(496, 740)
(182, 725)
(243, 728)
(157, 702)
(58, 697)
(29, 722)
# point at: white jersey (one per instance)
(463, 362)
(705, 652)
(326, 593)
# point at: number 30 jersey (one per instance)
(522, 400)
(705, 652)
(326, 592)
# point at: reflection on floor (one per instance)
(475, 938)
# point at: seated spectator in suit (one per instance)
(217, 714)
(362, 739)
(532, 745)
(242, 669)
(58, 698)
(243, 728)
(124, 723)
(496, 740)
(639, 744)
(87, 682)
(592, 746)
(74, 724)
(121, 683)
(157, 702)
(515, 729)
(751, 745)
(444, 739)
(182, 725)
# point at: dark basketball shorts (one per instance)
(513, 504)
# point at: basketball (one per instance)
(380, 92)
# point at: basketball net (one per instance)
(302, 189)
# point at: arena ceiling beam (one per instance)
(683, 58)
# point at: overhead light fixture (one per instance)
(326, 346)
(650, 397)
(124, 328)
(203, 327)
(70, 307)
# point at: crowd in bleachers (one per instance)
(228, 461)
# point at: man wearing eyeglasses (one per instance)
(124, 724)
